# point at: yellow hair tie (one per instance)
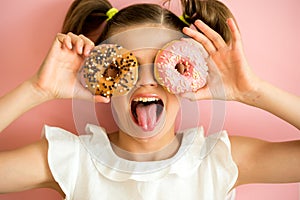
(110, 13)
(181, 17)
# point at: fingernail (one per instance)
(107, 100)
(186, 29)
(86, 52)
(198, 21)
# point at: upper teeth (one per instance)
(146, 99)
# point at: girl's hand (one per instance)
(57, 77)
(230, 77)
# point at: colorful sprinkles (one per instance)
(110, 70)
(181, 66)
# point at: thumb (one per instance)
(85, 94)
(201, 94)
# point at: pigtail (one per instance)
(212, 12)
(86, 16)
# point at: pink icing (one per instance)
(186, 51)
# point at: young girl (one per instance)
(129, 164)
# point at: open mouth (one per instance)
(146, 111)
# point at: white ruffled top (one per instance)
(87, 168)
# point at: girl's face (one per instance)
(148, 110)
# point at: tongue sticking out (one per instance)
(146, 116)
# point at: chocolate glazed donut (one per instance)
(110, 70)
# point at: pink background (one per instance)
(270, 31)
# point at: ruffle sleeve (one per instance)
(218, 165)
(63, 157)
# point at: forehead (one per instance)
(144, 38)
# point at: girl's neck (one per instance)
(160, 147)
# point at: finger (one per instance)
(81, 92)
(199, 46)
(190, 95)
(236, 36)
(201, 94)
(199, 37)
(64, 40)
(77, 42)
(88, 45)
(212, 35)
(101, 99)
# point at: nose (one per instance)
(146, 76)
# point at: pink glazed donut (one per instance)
(180, 66)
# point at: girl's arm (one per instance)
(276, 101)
(57, 78)
(27, 167)
(18, 101)
(231, 78)
(260, 161)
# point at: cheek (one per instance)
(173, 105)
(120, 103)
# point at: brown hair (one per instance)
(140, 14)
(212, 12)
(85, 16)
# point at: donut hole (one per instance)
(112, 71)
(182, 68)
